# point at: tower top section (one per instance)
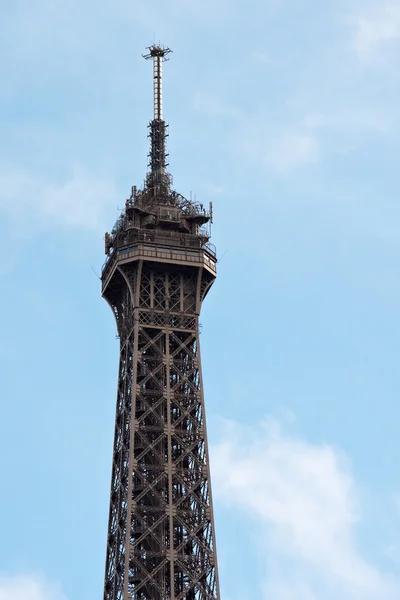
(156, 213)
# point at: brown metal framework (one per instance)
(159, 268)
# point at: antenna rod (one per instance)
(157, 71)
(158, 54)
(157, 178)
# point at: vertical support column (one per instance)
(131, 455)
(169, 467)
(211, 508)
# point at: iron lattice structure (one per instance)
(159, 268)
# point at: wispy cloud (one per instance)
(32, 203)
(305, 498)
(292, 149)
(278, 148)
(377, 28)
(21, 587)
(326, 109)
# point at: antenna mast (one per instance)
(158, 179)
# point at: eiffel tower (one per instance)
(159, 268)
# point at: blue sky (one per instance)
(285, 115)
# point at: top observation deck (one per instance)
(174, 231)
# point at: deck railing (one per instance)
(206, 254)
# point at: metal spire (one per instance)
(158, 179)
(158, 54)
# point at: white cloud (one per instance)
(279, 150)
(33, 203)
(377, 28)
(291, 150)
(28, 588)
(306, 500)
